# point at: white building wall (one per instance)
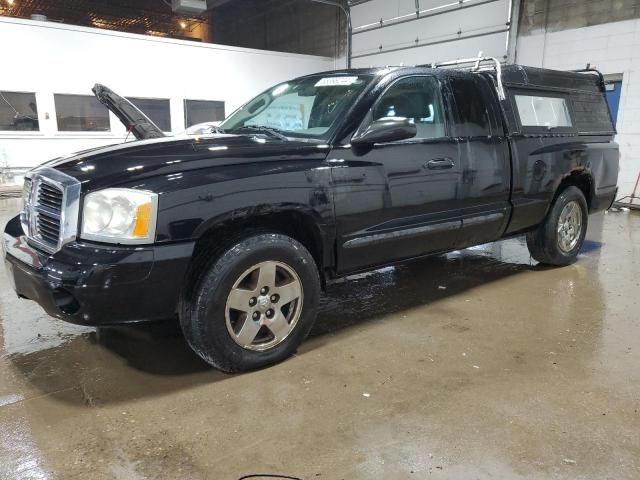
(613, 48)
(48, 58)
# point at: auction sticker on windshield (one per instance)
(336, 81)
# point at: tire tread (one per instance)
(208, 276)
(542, 242)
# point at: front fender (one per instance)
(194, 202)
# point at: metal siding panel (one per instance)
(372, 12)
(493, 45)
(406, 7)
(471, 21)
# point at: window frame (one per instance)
(168, 100)
(37, 132)
(186, 118)
(495, 115)
(101, 133)
(538, 130)
(368, 118)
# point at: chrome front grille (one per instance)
(50, 196)
(50, 215)
(48, 227)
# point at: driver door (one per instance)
(398, 200)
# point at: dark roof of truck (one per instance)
(512, 75)
(531, 77)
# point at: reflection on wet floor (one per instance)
(159, 347)
(475, 364)
(425, 281)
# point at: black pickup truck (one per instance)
(237, 232)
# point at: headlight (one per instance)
(120, 215)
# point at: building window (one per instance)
(18, 111)
(201, 111)
(549, 112)
(157, 109)
(81, 113)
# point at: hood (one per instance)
(131, 116)
(138, 162)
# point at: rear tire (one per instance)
(559, 238)
(253, 305)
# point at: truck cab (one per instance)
(478, 168)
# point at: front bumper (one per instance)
(92, 284)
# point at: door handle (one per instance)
(439, 164)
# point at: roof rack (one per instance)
(593, 70)
(477, 64)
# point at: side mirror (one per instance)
(389, 129)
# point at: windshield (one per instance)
(308, 107)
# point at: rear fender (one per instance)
(543, 166)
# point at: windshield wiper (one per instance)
(274, 132)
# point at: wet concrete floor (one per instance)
(475, 365)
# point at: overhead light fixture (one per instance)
(156, 33)
(10, 2)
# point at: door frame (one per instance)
(398, 229)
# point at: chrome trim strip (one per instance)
(482, 219)
(402, 234)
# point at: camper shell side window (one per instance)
(549, 103)
(541, 112)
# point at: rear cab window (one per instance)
(476, 113)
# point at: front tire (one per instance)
(253, 305)
(559, 238)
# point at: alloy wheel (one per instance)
(264, 306)
(569, 226)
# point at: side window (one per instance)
(416, 98)
(548, 112)
(474, 120)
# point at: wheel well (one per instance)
(298, 226)
(581, 180)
